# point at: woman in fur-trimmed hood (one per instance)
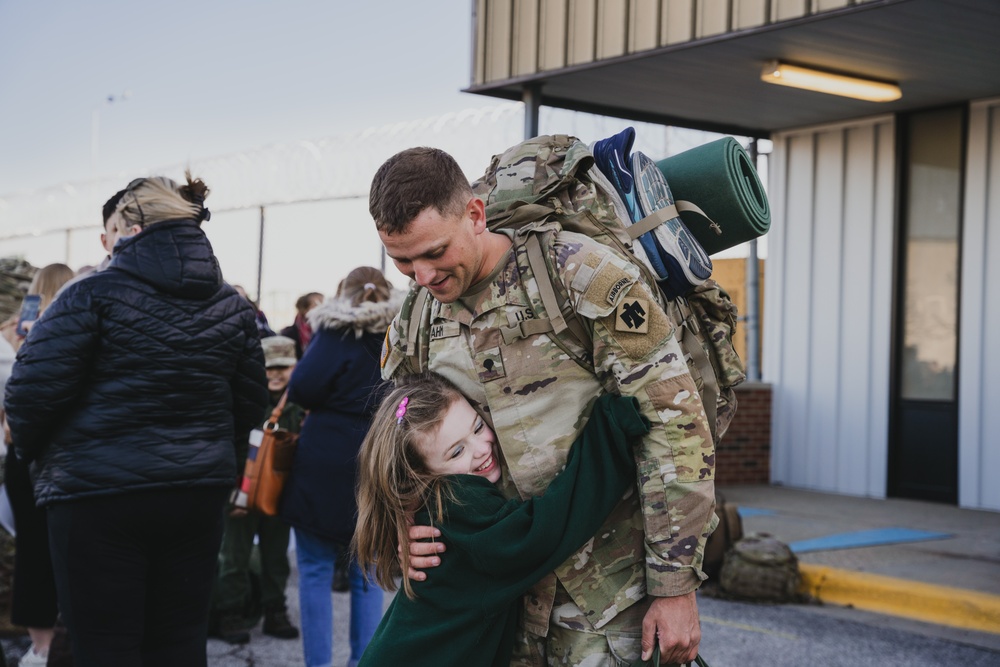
(336, 381)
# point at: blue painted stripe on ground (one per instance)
(865, 538)
(753, 511)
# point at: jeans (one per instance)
(316, 558)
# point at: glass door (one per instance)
(924, 446)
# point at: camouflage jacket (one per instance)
(537, 398)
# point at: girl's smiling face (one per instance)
(462, 445)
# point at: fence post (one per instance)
(260, 257)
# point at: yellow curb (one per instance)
(956, 607)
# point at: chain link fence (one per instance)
(291, 218)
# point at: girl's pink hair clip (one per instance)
(401, 410)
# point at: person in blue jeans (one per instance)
(316, 559)
(334, 381)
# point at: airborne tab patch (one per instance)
(616, 289)
(632, 315)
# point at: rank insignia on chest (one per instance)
(632, 315)
(490, 363)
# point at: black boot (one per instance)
(340, 582)
(276, 623)
(232, 628)
(340, 567)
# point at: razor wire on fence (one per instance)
(308, 190)
(332, 168)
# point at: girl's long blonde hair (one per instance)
(393, 479)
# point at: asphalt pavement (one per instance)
(934, 564)
(892, 582)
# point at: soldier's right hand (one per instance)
(423, 554)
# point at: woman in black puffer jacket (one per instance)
(129, 397)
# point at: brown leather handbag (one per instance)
(269, 463)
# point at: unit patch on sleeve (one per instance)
(632, 315)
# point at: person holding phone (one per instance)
(33, 595)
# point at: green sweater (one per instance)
(465, 613)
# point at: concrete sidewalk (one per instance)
(924, 561)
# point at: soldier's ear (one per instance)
(476, 210)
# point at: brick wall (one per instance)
(744, 455)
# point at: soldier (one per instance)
(638, 575)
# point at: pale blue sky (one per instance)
(210, 77)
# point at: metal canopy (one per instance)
(939, 51)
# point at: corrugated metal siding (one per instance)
(580, 42)
(499, 39)
(979, 354)
(552, 35)
(678, 22)
(521, 37)
(712, 17)
(829, 290)
(644, 25)
(525, 37)
(612, 28)
(749, 13)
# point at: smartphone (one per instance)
(29, 312)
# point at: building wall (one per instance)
(522, 37)
(744, 454)
(979, 352)
(829, 295)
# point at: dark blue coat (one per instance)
(336, 381)
(141, 376)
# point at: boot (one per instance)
(340, 582)
(276, 623)
(60, 650)
(232, 629)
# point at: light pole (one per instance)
(95, 126)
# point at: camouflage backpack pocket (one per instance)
(717, 314)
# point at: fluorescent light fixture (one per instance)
(807, 78)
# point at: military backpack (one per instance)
(553, 179)
(760, 567)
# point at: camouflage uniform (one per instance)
(537, 397)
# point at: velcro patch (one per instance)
(635, 345)
(490, 365)
(608, 286)
(632, 315)
(445, 330)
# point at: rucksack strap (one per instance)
(660, 216)
(692, 344)
(562, 320)
(553, 300)
(416, 350)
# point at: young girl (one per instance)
(429, 453)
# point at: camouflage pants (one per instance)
(573, 642)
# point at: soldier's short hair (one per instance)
(413, 180)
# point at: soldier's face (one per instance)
(443, 253)
(462, 445)
(278, 378)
